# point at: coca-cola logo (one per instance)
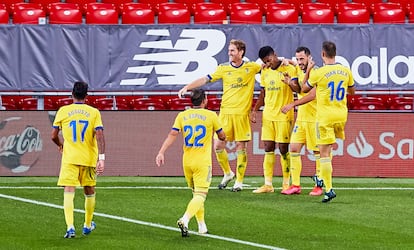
(14, 146)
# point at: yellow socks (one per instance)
(89, 209)
(326, 172)
(241, 165)
(194, 206)
(268, 165)
(318, 165)
(223, 161)
(295, 168)
(285, 164)
(68, 208)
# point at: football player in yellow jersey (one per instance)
(197, 126)
(304, 130)
(332, 81)
(83, 154)
(276, 126)
(238, 77)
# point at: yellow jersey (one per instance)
(238, 86)
(306, 112)
(277, 93)
(197, 127)
(331, 82)
(78, 123)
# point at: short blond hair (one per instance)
(240, 45)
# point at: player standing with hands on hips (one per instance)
(197, 126)
(83, 154)
(238, 78)
(332, 82)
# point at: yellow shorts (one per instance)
(305, 133)
(277, 131)
(198, 177)
(327, 133)
(236, 127)
(75, 175)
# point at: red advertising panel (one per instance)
(376, 145)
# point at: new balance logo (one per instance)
(176, 60)
(360, 148)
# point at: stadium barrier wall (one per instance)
(164, 57)
(377, 145)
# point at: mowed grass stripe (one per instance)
(115, 217)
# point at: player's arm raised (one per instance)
(193, 85)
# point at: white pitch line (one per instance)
(248, 188)
(115, 217)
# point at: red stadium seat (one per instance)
(173, 14)
(411, 13)
(106, 103)
(9, 4)
(368, 3)
(368, 103)
(226, 4)
(118, 3)
(135, 13)
(213, 103)
(313, 6)
(281, 13)
(4, 14)
(44, 3)
(401, 103)
(389, 16)
(65, 16)
(297, 3)
(82, 3)
(63, 6)
(64, 101)
(28, 16)
(180, 103)
(148, 104)
(353, 13)
(262, 4)
(190, 4)
(247, 16)
(210, 16)
(333, 3)
(318, 16)
(405, 4)
(29, 103)
(154, 4)
(101, 13)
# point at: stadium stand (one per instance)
(352, 13)
(4, 14)
(136, 13)
(101, 13)
(28, 15)
(401, 103)
(226, 4)
(245, 13)
(191, 4)
(173, 13)
(65, 14)
(147, 103)
(209, 13)
(281, 13)
(318, 16)
(368, 103)
(388, 13)
(297, 3)
(262, 4)
(180, 103)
